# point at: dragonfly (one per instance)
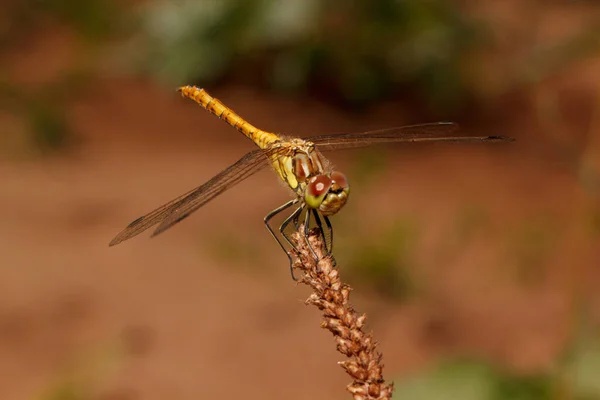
(319, 190)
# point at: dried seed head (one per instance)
(332, 296)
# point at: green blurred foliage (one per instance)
(43, 106)
(67, 390)
(460, 379)
(579, 363)
(43, 109)
(573, 374)
(480, 380)
(357, 51)
(86, 376)
(49, 127)
(582, 370)
(473, 380)
(91, 19)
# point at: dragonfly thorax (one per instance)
(296, 161)
(307, 172)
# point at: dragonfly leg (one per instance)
(293, 217)
(271, 215)
(282, 229)
(330, 249)
(297, 221)
(317, 217)
(326, 235)
(307, 233)
(330, 227)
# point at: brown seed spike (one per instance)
(333, 297)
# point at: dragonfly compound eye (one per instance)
(339, 182)
(316, 190)
(337, 195)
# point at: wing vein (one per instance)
(172, 211)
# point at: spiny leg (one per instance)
(271, 215)
(293, 217)
(322, 232)
(330, 227)
(282, 228)
(296, 221)
(328, 242)
(307, 232)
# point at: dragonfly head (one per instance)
(326, 193)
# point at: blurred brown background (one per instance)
(477, 265)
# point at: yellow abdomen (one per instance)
(214, 106)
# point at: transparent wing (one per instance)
(433, 132)
(177, 209)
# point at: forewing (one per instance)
(181, 207)
(433, 132)
(241, 173)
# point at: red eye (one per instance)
(316, 190)
(339, 179)
(318, 185)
